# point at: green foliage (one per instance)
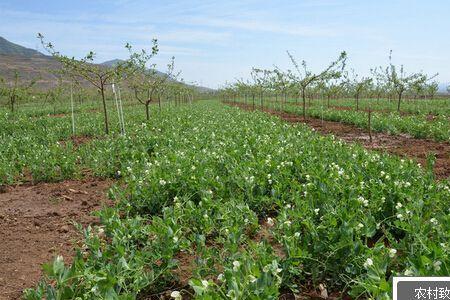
(243, 205)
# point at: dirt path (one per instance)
(401, 145)
(36, 225)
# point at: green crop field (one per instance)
(259, 206)
(231, 150)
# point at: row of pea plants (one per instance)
(417, 126)
(256, 207)
(408, 106)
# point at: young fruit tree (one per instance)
(261, 80)
(431, 89)
(15, 90)
(304, 77)
(85, 69)
(53, 94)
(331, 88)
(380, 85)
(357, 86)
(280, 83)
(243, 88)
(400, 82)
(149, 84)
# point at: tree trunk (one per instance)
(369, 124)
(357, 102)
(13, 100)
(102, 90)
(304, 103)
(399, 100)
(147, 112)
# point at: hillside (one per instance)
(31, 67)
(9, 48)
(32, 64)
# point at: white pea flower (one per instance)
(365, 202)
(236, 265)
(101, 232)
(316, 211)
(162, 182)
(400, 216)
(368, 263)
(176, 295)
(437, 265)
(409, 272)
(205, 283)
(59, 259)
(398, 205)
(433, 221)
(392, 252)
(270, 222)
(297, 234)
(359, 226)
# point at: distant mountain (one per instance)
(8, 48)
(32, 64)
(113, 62)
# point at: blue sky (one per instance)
(217, 41)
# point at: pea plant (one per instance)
(214, 202)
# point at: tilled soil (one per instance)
(402, 145)
(36, 224)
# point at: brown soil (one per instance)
(61, 115)
(36, 225)
(401, 145)
(77, 140)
